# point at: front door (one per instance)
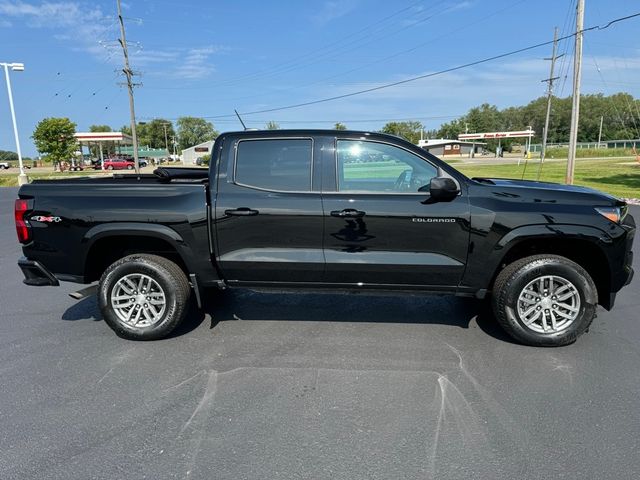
(379, 229)
(268, 214)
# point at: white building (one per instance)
(190, 155)
(445, 146)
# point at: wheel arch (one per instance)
(107, 243)
(582, 245)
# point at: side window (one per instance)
(283, 165)
(371, 167)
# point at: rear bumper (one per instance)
(36, 274)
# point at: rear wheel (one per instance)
(143, 297)
(110, 167)
(129, 167)
(544, 300)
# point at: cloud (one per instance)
(462, 5)
(90, 30)
(196, 62)
(332, 10)
(5, 23)
(178, 63)
(51, 14)
(82, 25)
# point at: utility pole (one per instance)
(549, 81)
(166, 139)
(128, 73)
(575, 110)
(600, 131)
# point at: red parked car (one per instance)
(117, 164)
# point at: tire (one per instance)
(519, 296)
(129, 167)
(151, 317)
(110, 167)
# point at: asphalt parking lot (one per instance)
(276, 386)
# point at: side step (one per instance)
(85, 292)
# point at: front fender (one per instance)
(552, 231)
(488, 252)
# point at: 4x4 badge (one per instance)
(46, 219)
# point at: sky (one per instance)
(207, 58)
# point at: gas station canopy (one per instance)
(489, 135)
(99, 137)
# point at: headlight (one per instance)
(615, 214)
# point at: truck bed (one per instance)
(80, 224)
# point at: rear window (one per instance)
(278, 164)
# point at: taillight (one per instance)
(23, 229)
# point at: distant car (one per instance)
(97, 164)
(118, 164)
(5, 165)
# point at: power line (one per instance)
(566, 26)
(614, 106)
(404, 52)
(360, 120)
(323, 53)
(433, 74)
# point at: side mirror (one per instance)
(443, 189)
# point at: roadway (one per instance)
(275, 386)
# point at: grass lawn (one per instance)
(11, 179)
(618, 177)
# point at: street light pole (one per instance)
(17, 67)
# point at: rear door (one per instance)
(380, 230)
(268, 211)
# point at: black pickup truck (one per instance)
(333, 210)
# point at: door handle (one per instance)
(241, 212)
(348, 212)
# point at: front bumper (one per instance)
(36, 274)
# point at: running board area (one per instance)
(85, 292)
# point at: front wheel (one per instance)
(143, 297)
(544, 300)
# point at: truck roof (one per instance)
(311, 131)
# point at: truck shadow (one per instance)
(239, 305)
(247, 305)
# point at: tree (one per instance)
(108, 148)
(339, 126)
(408, 130)
(451, 130)
(8, 155)
(194, 130)
(54, 138)
(141, 133)
(271, 125)
(100, 128)
(154, 133)
(621, 113)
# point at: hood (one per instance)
(547, 186)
